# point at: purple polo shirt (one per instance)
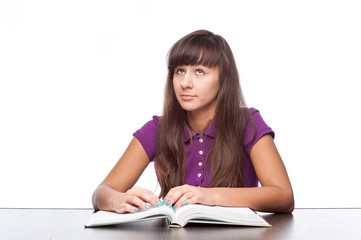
(196, 152)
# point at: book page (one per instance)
(102, 218)
(216, 214)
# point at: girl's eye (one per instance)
(199, 71)
(180, 71)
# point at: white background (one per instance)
(77, 78)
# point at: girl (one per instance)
(208, 147)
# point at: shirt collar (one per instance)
(209, 131)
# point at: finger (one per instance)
(151, 198)
(128, 203)
(176, 193)
(147, 196)
(133, 204)
(174, 190)
(134, 201)
(184, 200)
(169, 193)
(170, 197)
(125, 208)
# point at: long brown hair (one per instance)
(225, 157)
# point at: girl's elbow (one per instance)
(283, 201)
(289, 208)
(289, 203)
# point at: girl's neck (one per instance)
(198, 121)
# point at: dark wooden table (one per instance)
(67, 224)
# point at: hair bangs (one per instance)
(200, 50)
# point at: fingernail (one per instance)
(167, 203)
(137, 210)
(160, 203)
(147, 206)
(156, 204)
(163, 202)
(186, 203)
(174, 208)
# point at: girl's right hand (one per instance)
(134, 200)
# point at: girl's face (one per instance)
(196, 88)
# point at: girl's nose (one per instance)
(187, 81)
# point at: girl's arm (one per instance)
(115, 193)
(275, 195)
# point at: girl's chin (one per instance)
(189, 108)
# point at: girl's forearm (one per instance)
(266, 199)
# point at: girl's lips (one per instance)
(187, 97)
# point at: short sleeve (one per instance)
(147, 136)
(261, 129)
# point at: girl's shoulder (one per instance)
(156, 119)
(147, 135)
(151, 126)
(254, 113)
(252, 110)
(256, 128)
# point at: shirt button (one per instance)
(199, 174)
(200, 152)
(200, 164)
(201, 140)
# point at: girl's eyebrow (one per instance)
(195, 65)
(200, 65)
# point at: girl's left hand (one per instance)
(184, 195)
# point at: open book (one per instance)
(194, 213)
